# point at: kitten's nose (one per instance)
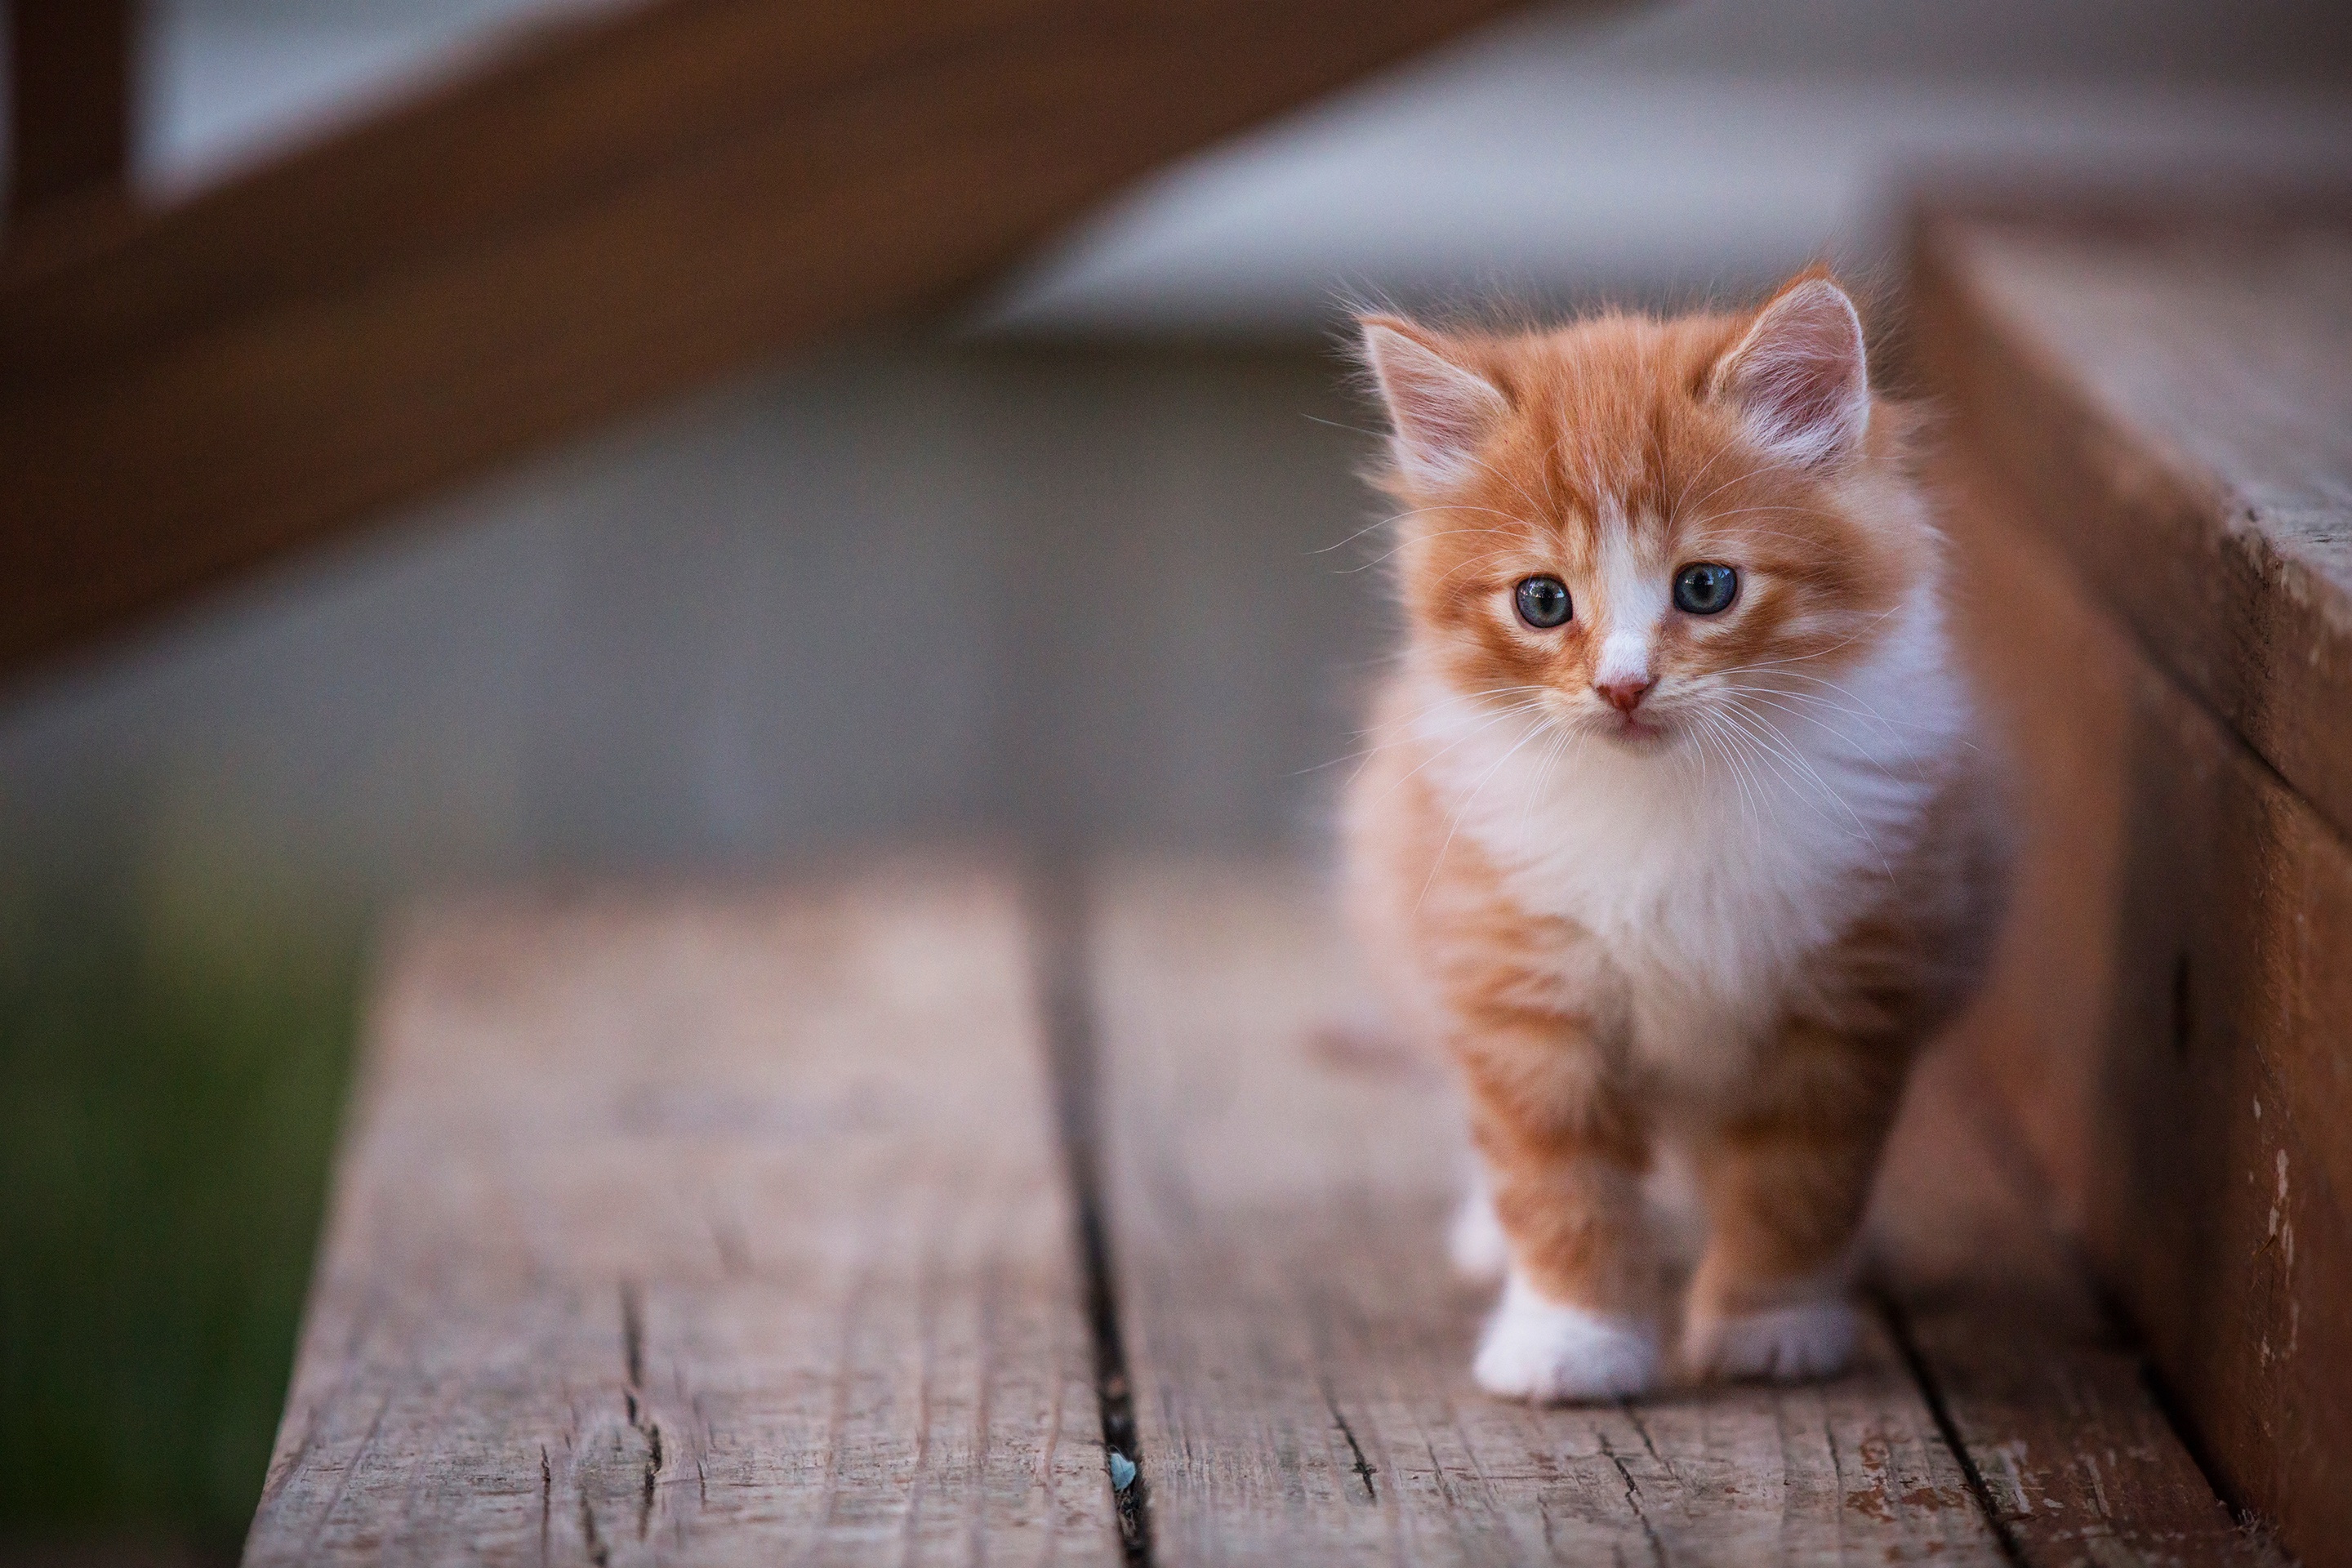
(1623, 695)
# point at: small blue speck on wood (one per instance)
(1122, 1471)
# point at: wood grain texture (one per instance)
(647, 203)
(2073, 1459)
(721, 1231)
(1276, 1190)
(2174, 404)
(2166, 1016)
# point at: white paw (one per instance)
(1812, 1339)
(1544, 1351)
(1480, 1252)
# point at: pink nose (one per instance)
(1623, 695)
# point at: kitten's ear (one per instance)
(1438, 410)
(1799, 376)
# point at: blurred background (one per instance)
(1079, 556)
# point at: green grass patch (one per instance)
(171, 1072)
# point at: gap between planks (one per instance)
(1054, 900)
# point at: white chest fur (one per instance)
(1710, 870)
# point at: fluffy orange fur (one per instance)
(1680, 891)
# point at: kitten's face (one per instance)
(1642, 530)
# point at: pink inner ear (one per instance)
(1440, 410)
(1800, 375)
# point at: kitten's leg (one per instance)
(1577, 1319)
(1784, 1189)
(1474, 1242)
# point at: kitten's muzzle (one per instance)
(1623, 695)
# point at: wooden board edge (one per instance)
(2199, 594)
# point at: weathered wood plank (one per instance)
(2174, 404)
(2166, 1017)
(2073, 1457)
(1299, 1354)
(721, 1231)
(656, 200)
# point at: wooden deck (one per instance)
(866, 1222)
(943, 1214)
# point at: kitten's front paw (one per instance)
(1785, 1344)
(1475, 1243)
(1547, 1352)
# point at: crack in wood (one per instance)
(1642, 1430)
(652, 1472)
(1055, 903)
(1898, 1328)
(633, 1361)
(1634, 1501)
(434, 1426)
(1362, 1466)
(632, 1335)
(598, 1552)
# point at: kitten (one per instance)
(1675, 834)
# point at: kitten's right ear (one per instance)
(1439, 411)
(1800, 375)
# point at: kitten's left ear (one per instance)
(1800, 377)
(1439, 411)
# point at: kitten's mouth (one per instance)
(1634, 730)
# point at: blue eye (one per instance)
(1706, 588)
(1543, 602)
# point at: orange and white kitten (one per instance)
(1674, 835)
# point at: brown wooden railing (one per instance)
(69, 105)
(613, 214)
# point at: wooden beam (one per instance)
(69, 102)
(621, 213)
